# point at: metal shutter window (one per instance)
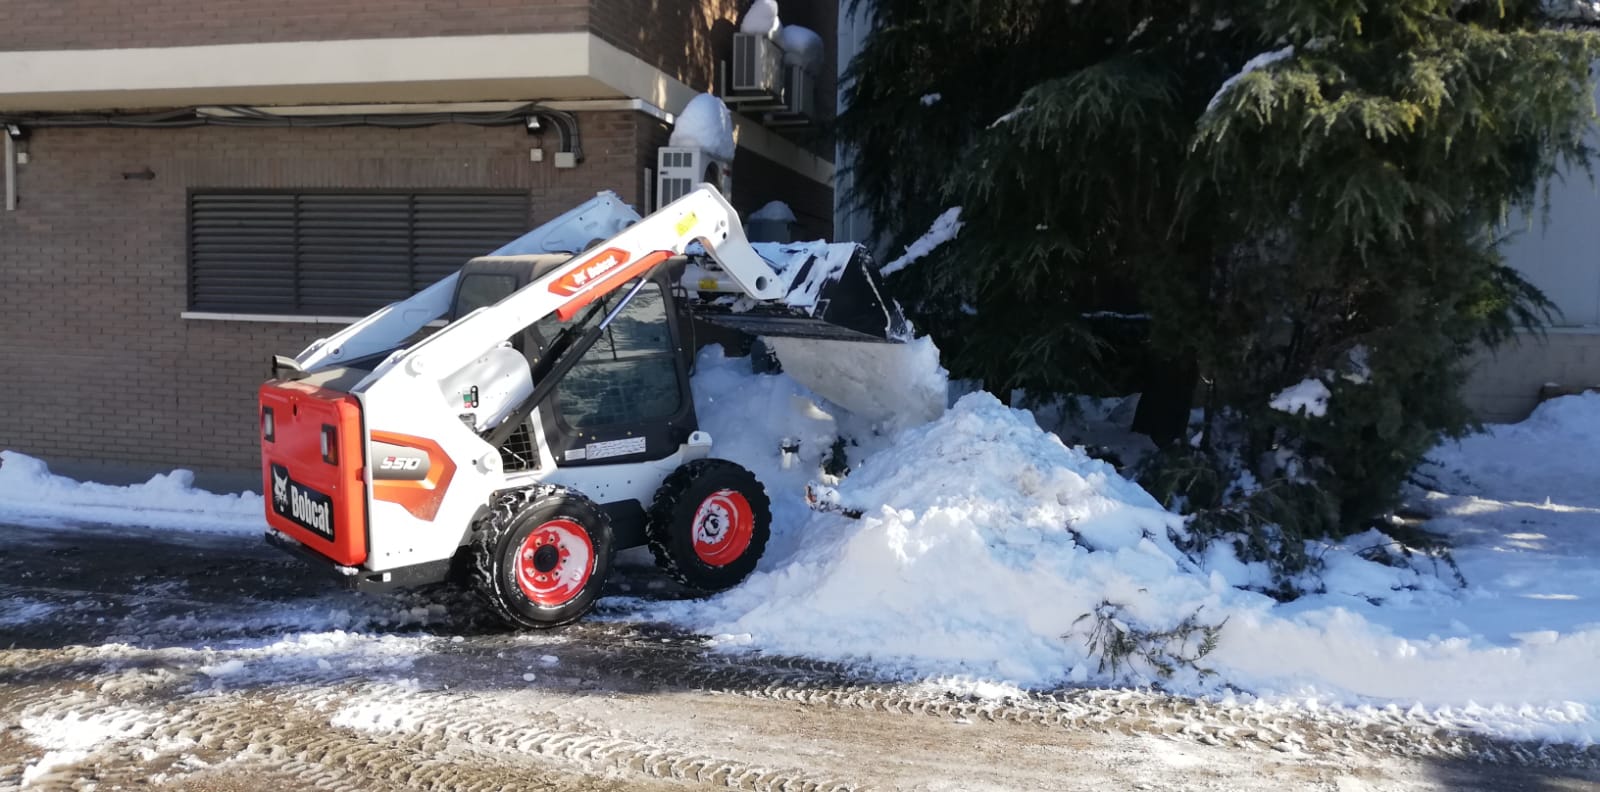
(337, 254)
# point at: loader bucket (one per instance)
(834, 331)
(833, 295)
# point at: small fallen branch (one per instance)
(1120, 644)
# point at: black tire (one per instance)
(712, 490)
(498, 544)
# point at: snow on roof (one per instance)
(774, 210)
(705, 123)
(762, 19)
(802, 47)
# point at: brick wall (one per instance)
(98, 363)
(94, 24)
(1504, 386)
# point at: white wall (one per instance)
(1560, 252)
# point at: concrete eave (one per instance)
(438, 69)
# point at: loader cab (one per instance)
(627, 399)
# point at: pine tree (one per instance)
(1276, 191)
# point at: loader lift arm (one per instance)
(702, 216)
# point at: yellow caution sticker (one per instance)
(708, 284)
(687, 223)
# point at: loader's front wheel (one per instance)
(541, 556)
(709, 524)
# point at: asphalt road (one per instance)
(134, 659)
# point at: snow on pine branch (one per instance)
(1310, 397)
(1261, 61)
(945, 228)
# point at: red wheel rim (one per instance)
(723, 527)
(554, 562)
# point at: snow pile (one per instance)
(802, 47)
(945, 228)
(705, 123)
(984, 542)
(776, 211)
(749, 417)
(761, 19)
(1261, 61)
(30, 493)
(1309, 397)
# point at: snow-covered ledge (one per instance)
(277, 318)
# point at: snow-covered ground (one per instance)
(986, 547)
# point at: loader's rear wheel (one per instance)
(541, 556)
(709, 524)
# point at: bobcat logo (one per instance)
(280, 491)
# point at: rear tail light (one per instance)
(268, 428)
(330, 445)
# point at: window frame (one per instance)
(668, 353)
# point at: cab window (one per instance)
(630, 375)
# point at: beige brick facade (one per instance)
(1505, 384)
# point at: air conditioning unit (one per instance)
(757, 71)
(679, 169)
(799, 99)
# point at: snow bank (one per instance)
(761, 19)
(975, 554)
(984, 541)
(802, 47)
(30, 493)
(945, 228)
(1551, 455)
(705, 123)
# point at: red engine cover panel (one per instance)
(318, 499)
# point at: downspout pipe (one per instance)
(11, 173)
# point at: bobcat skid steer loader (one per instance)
(548, 423)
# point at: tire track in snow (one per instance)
(291, 728)
(682, 662)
